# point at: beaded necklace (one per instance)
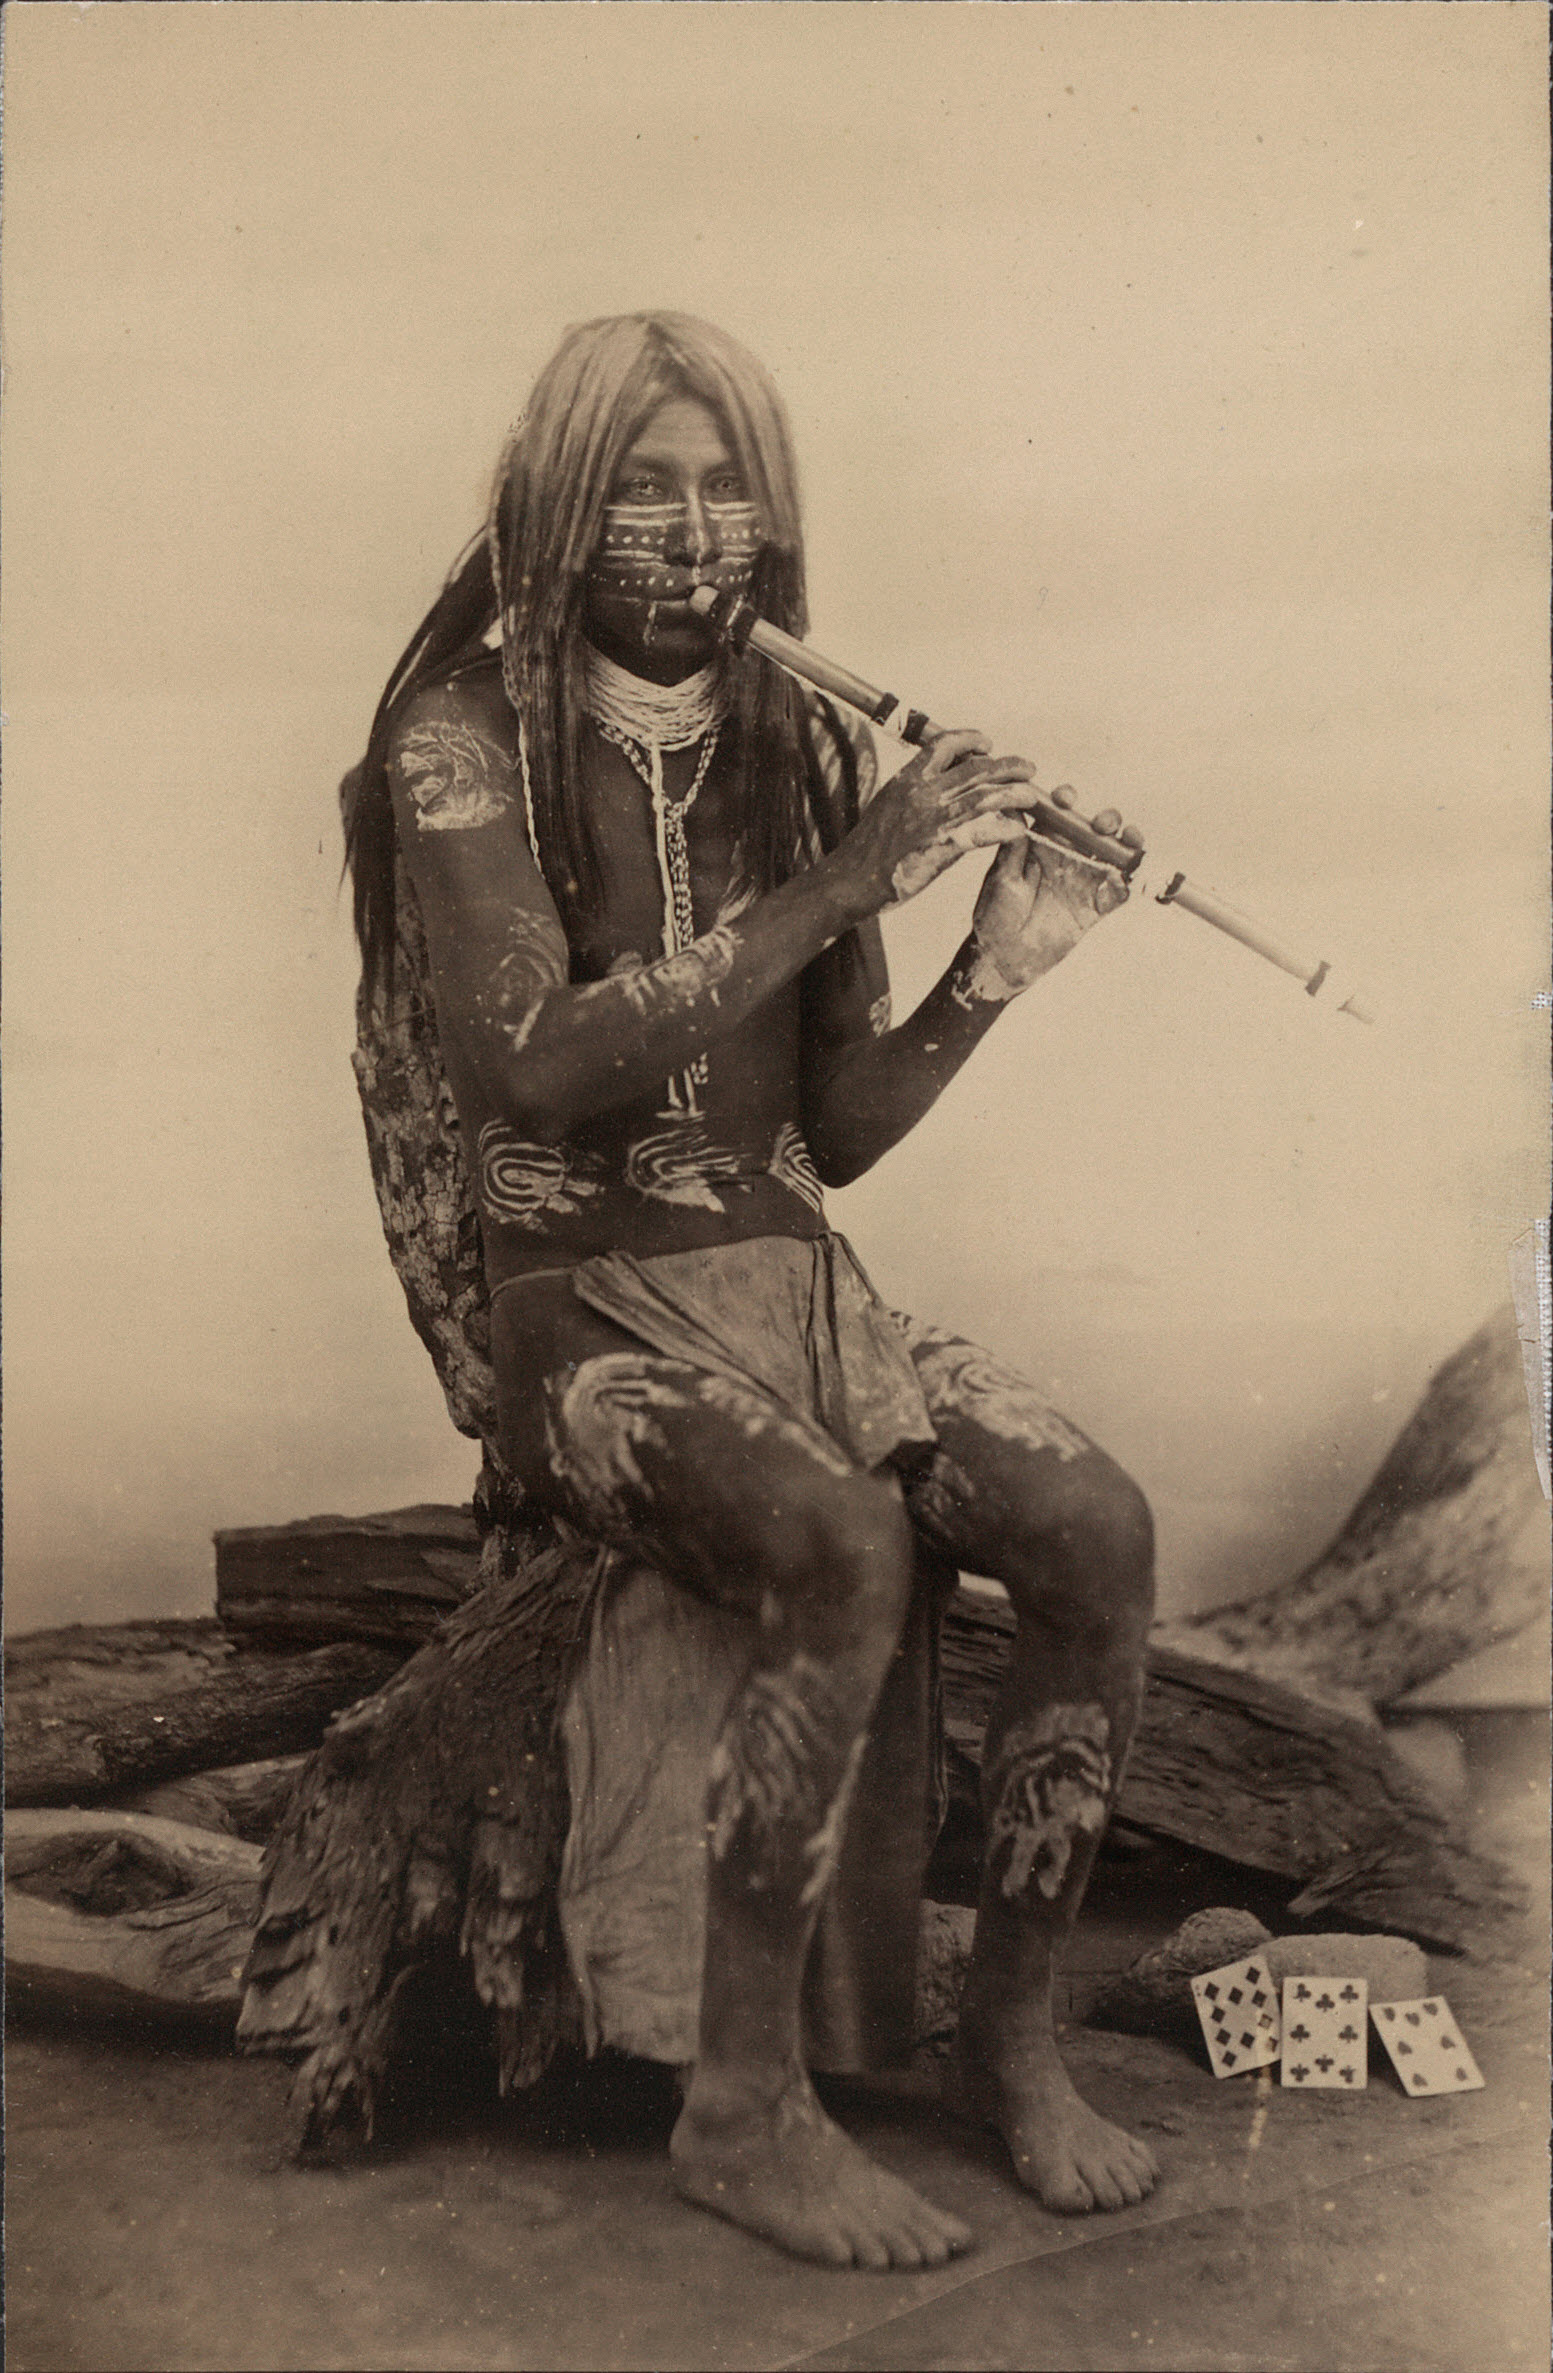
(643, 720)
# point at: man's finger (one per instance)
(957, 742)
(979, 832)
(993, 791)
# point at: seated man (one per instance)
(650, 875)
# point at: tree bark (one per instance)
(1445, 1553)
(430, 1822)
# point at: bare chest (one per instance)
(635, 920)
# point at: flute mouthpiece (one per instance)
(703, 600)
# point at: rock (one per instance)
(1154, 1997)
(943, 1957)
(1393, 1967)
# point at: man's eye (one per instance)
(728, 488)
(641, 488)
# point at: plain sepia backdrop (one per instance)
(1169, 387)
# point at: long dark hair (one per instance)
(526, 569)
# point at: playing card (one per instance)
(1324, 2033)
(1426, 2046)
(1238, 2007)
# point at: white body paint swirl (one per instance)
(457, 779)
(958, 1376)
(522, 1183)
(1054, 1781)
(681, 1165)
(792, 1166)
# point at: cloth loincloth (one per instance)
(794, 1316)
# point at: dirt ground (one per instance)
(154, 2223)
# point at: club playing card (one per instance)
(1238, 2007)
(1426, 2046)
(1324, 2033)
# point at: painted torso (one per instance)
(651, 1176)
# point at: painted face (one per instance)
(679, 515)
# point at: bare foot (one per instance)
(1071, 2158)
(781, 2168)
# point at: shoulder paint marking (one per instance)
(454, 776)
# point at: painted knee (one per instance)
(1091, 1574)
(1113, 1553)
(847, 1573)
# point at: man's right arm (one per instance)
(549, 1054)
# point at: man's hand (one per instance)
(1039, 899)
(952, 797)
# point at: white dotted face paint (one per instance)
(652, 553)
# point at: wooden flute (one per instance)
(739, 624)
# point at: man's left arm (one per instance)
(865, 1084)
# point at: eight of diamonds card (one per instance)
(1426, 2048)
(1324, 2033)
(1238, 2007)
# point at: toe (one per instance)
(831, 2245)
(868, 2248)
(1106, 2187)
(1067, 2195)
(959, 2236)
(906, 2248)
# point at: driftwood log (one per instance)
(388, 1580)
(1256, 1773)
(96, 1708)
(1445, 1553)
(119, 1913)
(243, 1800)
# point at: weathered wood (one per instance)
(246, 1800)
(117, 1912)
(1445, 1553)
(386, 1579)
(115, 1661)
(432, 1816)
(93, 1710)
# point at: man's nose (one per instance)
(695, 538)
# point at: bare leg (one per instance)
(1016, 1493)
(752, 1507)
(753, 2142)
